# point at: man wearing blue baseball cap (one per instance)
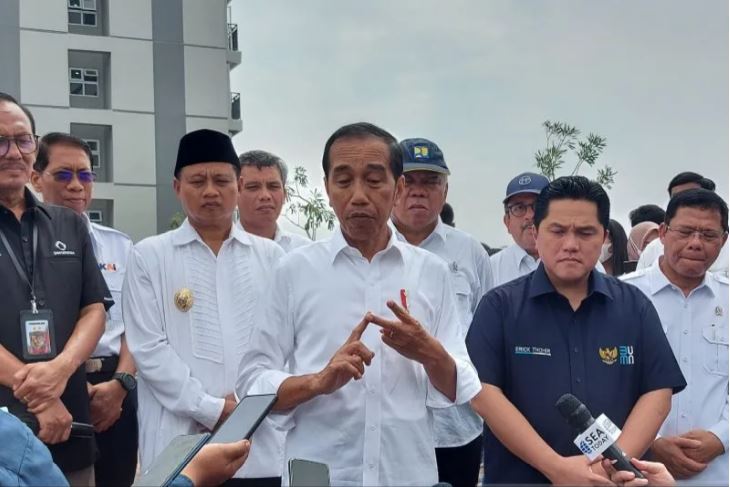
(521, 257)
(416, 218)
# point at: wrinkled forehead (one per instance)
(13, 120)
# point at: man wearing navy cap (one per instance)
(520, 258)
(189, 302)
(416, 218)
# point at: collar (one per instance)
(31, 202)
(338, 245)
(440, 231)
(658, 281)
(519, 254)
(280, 235)
(186, 234)
(540, 283)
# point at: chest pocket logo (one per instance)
(608, 355)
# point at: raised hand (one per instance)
(347, 363)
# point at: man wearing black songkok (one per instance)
(189, 303)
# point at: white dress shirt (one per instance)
(510, 263)
(471, 274)
(111, 248)
(697, 329)
(289, 241)
(187, 361)
(655, 249)
(377, 430)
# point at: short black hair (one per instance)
(57, 138)
(697, 198)
(365, 129)
(619, 248)
(261, 159)
(647, 213)
(573, 188)
(7, 98)
(691, 177)
(447, 215)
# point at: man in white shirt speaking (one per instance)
(521, 257)
(693, 307)
(361, 305)
(416, 219)
(190, 298)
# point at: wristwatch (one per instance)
(129, 383)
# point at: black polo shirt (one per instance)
(67, 278)
(527, 340)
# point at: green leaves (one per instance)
(560, 138)
(307, 205)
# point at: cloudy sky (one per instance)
(480, 77)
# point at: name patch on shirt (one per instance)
(525, 350)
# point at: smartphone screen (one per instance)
(172, 460)
(305, 473)
(244, 420)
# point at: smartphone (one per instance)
(245, 418)
(172, 460)
(306, 473)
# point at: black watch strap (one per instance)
(128, 382)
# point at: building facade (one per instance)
(129, 77)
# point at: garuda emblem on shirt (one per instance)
(608, 355)
(184, 299)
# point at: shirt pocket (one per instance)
(463, 293)
(716, 355)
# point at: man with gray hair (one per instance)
(262, 196)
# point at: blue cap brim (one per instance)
(414, 166)
(533, 191)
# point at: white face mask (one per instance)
(606, 252)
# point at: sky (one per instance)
(479, 78)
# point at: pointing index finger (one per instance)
(358, 330)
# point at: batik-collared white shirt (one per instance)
(187, 359)
(111, 248)
(697, 329)
(471, 275)
(377, 430)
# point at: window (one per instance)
(82, 12)
(84, 82)
(94, 145)
(96, 216)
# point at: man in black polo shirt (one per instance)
(52, 303)
(566, 328)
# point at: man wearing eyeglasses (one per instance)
(52, 303)
(62, 174)
(693, 308)
(520, 258)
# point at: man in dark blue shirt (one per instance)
(566, 328)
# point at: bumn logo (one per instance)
(626, 355)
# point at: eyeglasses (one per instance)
(66, 176)
(26, 143)
(519, 209)
(685, 233)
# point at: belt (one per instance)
(102, 364)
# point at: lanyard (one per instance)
(19, 268)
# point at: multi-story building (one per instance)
(130, 77)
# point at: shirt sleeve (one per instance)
(168, 376)
(448, 333)
(94, 288)
(263, 365)
(486, 276)
(660, 369)
(485, 341)
(720, 429)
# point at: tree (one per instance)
(561, 138)
(308, 205)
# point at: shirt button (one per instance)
(25, 239)
(372, 428)
(42, 302)
(371, 466)
(685, 331)
(577, 379)
(576, 350)
(685, 360)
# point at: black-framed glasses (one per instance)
(26, 143)
(685, 233)
(519, 209)
(66, 176)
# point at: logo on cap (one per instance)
(524, 180)
(420, 152)
(60, 245)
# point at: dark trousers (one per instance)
(258, 482)
(459, 465)
(117, 462)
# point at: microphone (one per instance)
(594, 438)
(78, 430)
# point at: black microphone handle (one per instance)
(623, 462)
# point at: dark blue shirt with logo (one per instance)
(526, 339)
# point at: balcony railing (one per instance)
(233, 37)
(235, 106)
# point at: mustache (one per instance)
(527, 225)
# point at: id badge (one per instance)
(39, 340)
